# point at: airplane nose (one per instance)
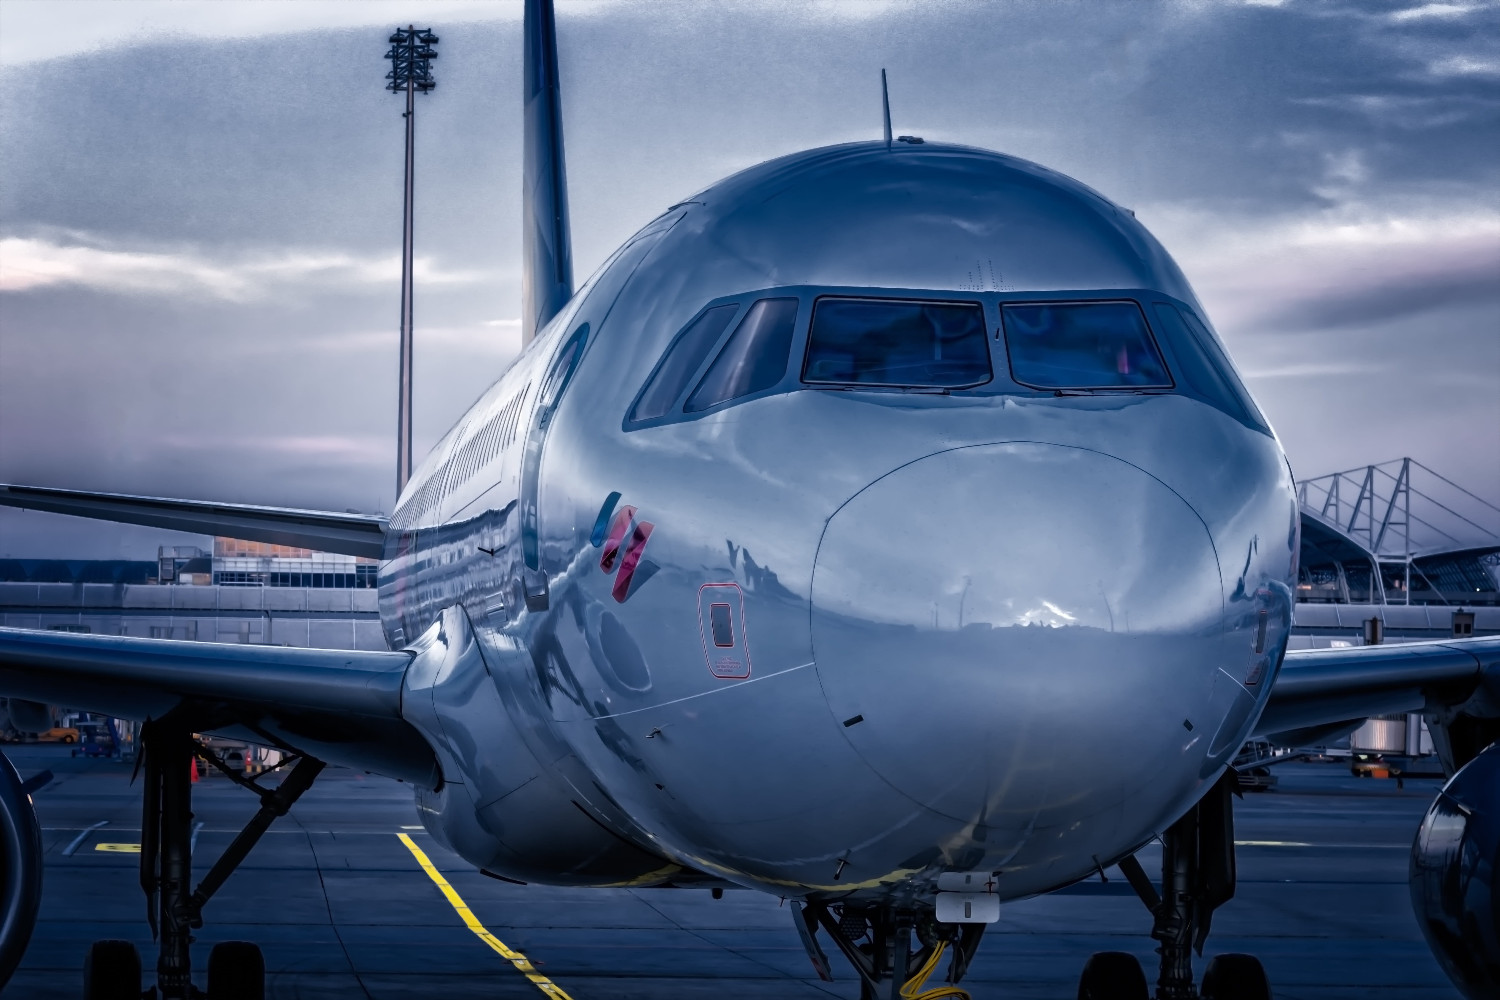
(1005, 629)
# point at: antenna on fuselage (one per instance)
(546, 247)
(885, 103)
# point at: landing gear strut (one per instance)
(1197, 877)
(174, 909)
(877, 941)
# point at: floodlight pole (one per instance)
(403, 405)
(410, 55)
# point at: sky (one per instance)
(200, 213)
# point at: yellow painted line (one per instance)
(119, 848)
(465, 914)
(1270, 843)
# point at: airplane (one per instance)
(883, 527)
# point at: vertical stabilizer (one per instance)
(546, 248)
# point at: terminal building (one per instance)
(1420, 557)
(239, 592)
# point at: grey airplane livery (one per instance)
(840, 489)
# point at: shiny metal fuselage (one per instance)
(989, 629)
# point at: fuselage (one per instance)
(766, 607)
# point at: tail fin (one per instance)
(547, 249)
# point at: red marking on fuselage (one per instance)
(631, 560)
(617, 529)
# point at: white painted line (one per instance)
(78, 840)
(193, 841)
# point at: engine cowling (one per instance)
(1453, 865)
(20, 869)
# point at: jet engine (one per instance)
(1453, 864)
(20, 869)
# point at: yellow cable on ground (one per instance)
(913, 988)
(512, 956)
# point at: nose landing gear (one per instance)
(877, 941)
(1198, 876)
(236, 970)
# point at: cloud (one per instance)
(1338, 268)
(28, 263)
(1311, 369)
(343, 449)
(1430, 11)
(35, 32)
(1404, 111)
(1464, 65)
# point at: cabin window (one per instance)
(681, 362)
(753, 359)
(901, 343)
(1206, 370)
(1082, 345)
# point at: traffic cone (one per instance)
(193, 764)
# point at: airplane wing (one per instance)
(340, 706)
(1322, 687)
(322, 531)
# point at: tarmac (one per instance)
(344, 909)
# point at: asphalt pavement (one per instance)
(344, 909)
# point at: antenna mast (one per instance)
(885, 103)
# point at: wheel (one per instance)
(67, 739)
(1112, 975)
(112, 971)
(236, 971)
(1235, 977)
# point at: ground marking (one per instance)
(1299, 843)
(515, 958)
(1271, 843)
(119, 848)
(74, 844)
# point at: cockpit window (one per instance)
(890, 342)
(753, 359)
(1082, 345)
(681, 361)
(1206, 371)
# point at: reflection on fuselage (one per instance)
(985, 625)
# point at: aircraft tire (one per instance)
(1112, 975)
(236, 971)
(1235, 977)
(112, 971)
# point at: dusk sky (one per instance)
(200, 207)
